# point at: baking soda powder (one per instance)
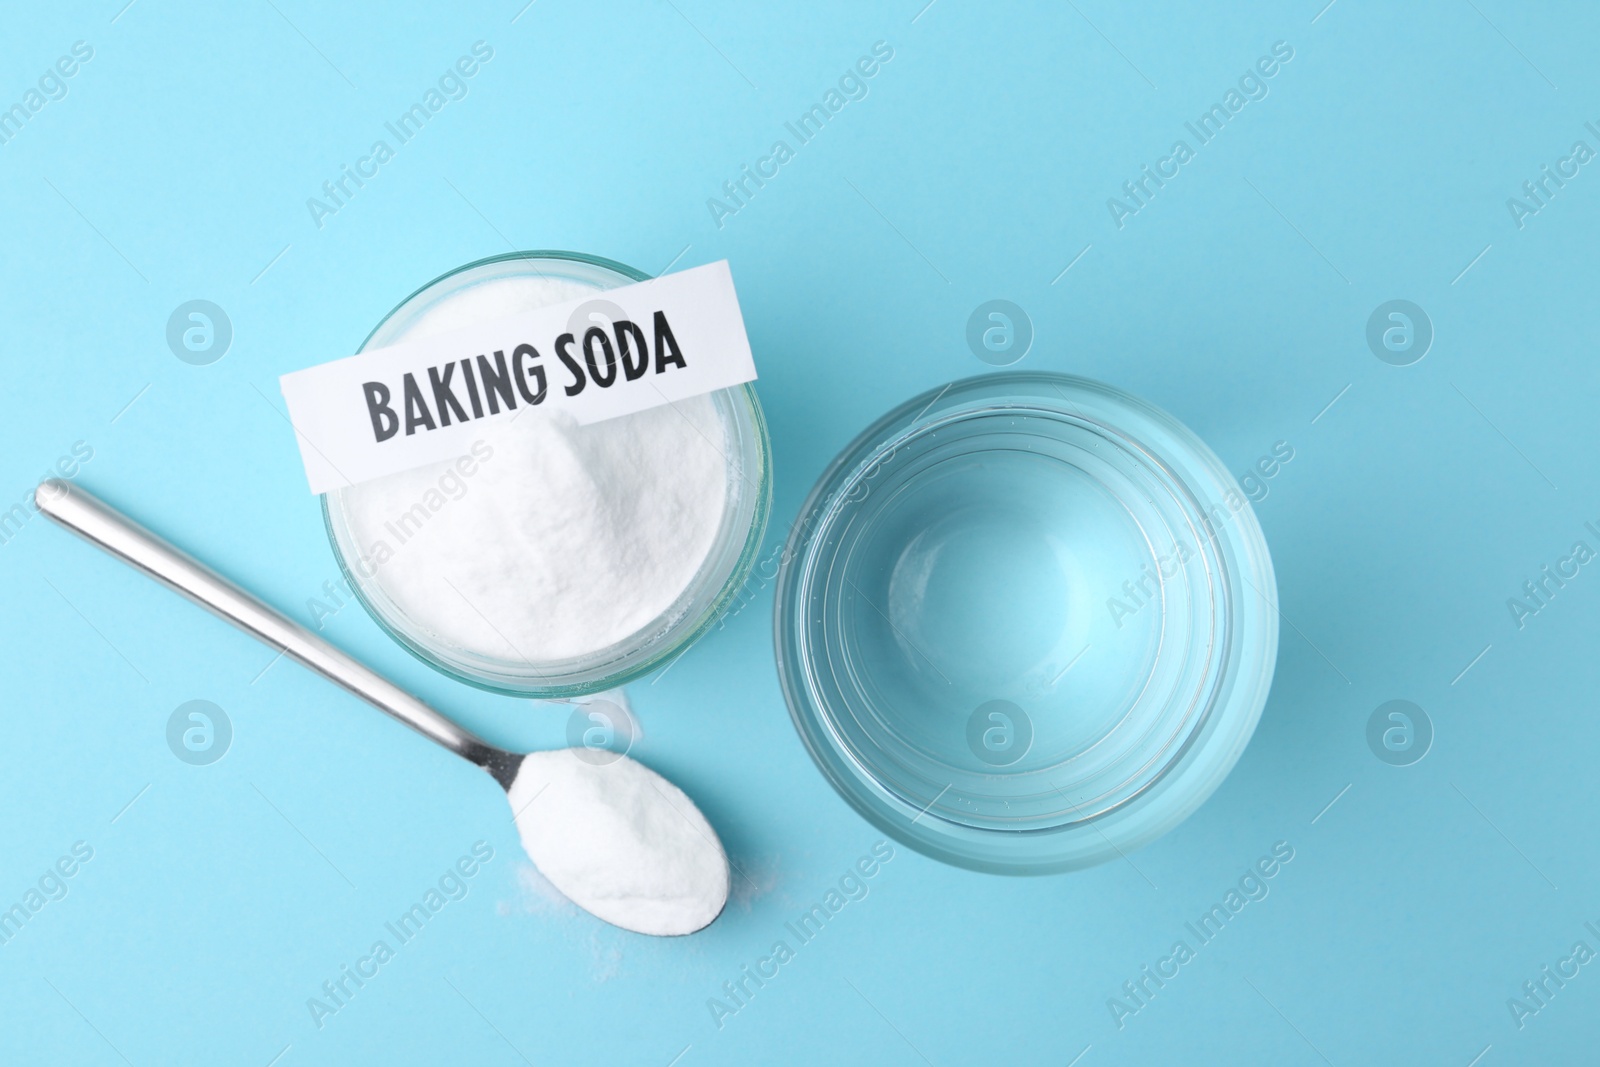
(567, 539)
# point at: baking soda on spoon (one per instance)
(620, 841)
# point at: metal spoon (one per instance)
(103, 526)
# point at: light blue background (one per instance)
(178, 166)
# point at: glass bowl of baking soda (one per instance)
(552, 559)
(1026, 623)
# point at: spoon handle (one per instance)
(102, 525)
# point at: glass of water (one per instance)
(1025, 622)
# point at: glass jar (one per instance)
(1026, 622)
(747, 455)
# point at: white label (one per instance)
(612, 353)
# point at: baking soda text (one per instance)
(488, 385)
